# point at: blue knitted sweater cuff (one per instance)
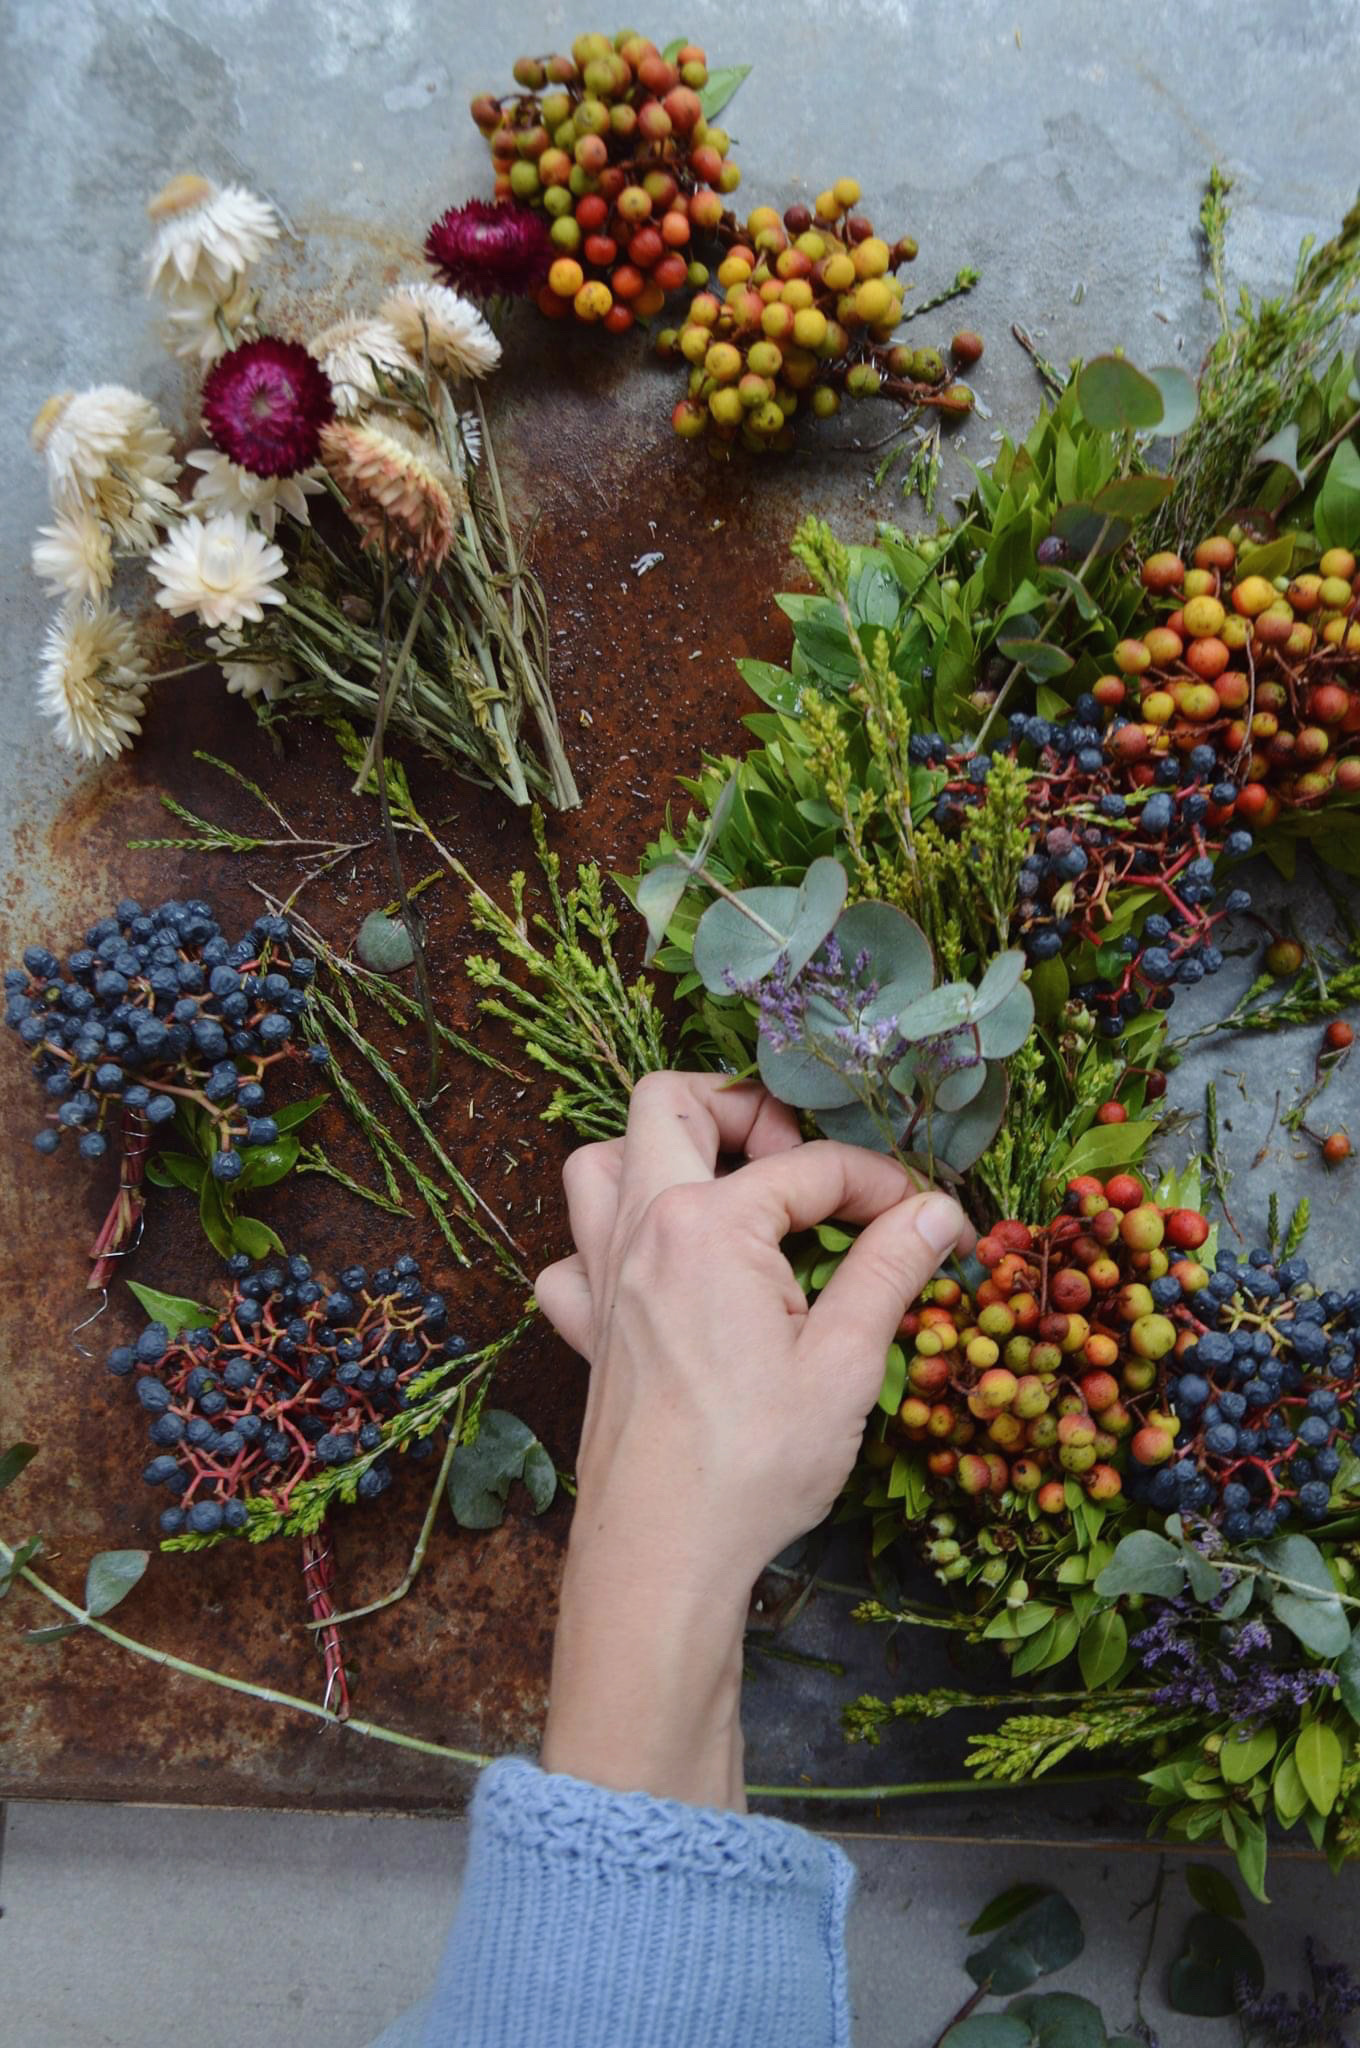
(598, 1919)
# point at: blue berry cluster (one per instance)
(1267, 1399)
(156, 1006)
(292, 1378)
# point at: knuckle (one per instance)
(676, 1215)
(584, 1167)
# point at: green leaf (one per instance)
(1061, 2020)
(175, 1170)
(1214, 1956)
(1113, 395)
(1037, 657)
(796, 1075)
(657, 898)
(898, 949)
(1213, 1891)
(1270, 558)
(1319, 1757)
(294, 1113)
(1008, 1026)
(1143, 1563)
(1087, 608)
(1132, 497)
(13, 1461)
(1107, 1145)
(1045, 1936)
(53, 1634)
(1315, 1615)
(943, 1009)
(262, 1165)
(384, 944)
(774, 686)
(961, 1139)
(1336, 515)
(1348, 1671)
(894, 1380)
(1247, 1836)
(954, 1091)
(1180, 399)
(1287, 1793)
(673, 49)
(212, 1217)
(1088, 532)
(744, 938)
(721, 85)
(988, 2030)
(1103, 1647)
(1001, 1910)
(23, 1554)
(111, 1577)
(254, 1238)
(1246, 1752)
(1282, 447)
(176, 1311)
(481, 1472)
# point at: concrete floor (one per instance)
(1058, 144)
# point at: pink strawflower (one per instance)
(264, 405)
(490, 246)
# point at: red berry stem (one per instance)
(121, 1228)
(318, 1576)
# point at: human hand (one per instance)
(724, 1414)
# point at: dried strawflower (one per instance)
(93, 681)
(490, 246)
(200, 322)
(246, 675)
(265, 404)
(75, 555)
(206, 234)
(225, 487)
(220, 568)
(106, 451)
(352, 352)
(459, 341)
(398, 486)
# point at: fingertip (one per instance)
(941, 1224)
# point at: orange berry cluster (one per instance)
(802, 310)
(1267, 672)
(1053, 1371)
(612, 144)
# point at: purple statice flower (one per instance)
(1315, 2021)
(840, 991)
(1236, 1683)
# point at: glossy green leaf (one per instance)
(262, 1165)
(1103, 1647)
(1143, 1563)
(1112, 394)
(1287, 1792)
(176, 1311)
(294, 1113)
(774, 686)
(482, 1472)
(1087, 608)
(1045, 1936)
(1132, 497)
(1319, 1758)
(1308, 1607)
(1336, 514)
(1215, 1956)
(1245, 1752)
(714, 96)
(1180, 398)
(1212, 1889)
(1246, 1836)
(254, 1238)
(111, 1577)
(13, 1461)
(894, 1380)
(176, 1170)
(212, 1217)
(384, 944)
(1038, 658)
(1001, 1910)
(1060, 2019)
(1105, 1146)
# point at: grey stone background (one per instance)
(1059, 145)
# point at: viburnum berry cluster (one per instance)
(293, 1378)
(612, 146)
(1095, 832)
(1264, 673)
(1054, 1371)
(157, 1008)
(803, 310)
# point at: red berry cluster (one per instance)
(1265, 671)
(612, 144)
(1053, 1372)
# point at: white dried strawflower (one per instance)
(351, 351)
(400, 491)
(460, 342)
(75, 555)
(220, 568)
(106, 451)
(93, 681)
(196, 314)
(225, 487)
(206, 235)
(248, 676)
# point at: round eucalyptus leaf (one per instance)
(1217, 1955)
(741, 941)
(1008, 1026)
(943, 1009)
(1003, 974)
(384, 944)
(958, 1089)
(903, 1075)
(1112, 394)
(817, 908)
(1060, 2019)
(1180, 399)
(798, 1076)
(855, 1125)
(899, 954)
(961, 1139)
(657, 897)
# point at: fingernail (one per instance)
(938, 1223)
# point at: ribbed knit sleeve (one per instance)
(597, 1919)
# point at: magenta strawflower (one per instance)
(264, 405)
(490, 246)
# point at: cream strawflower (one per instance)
(75, 556)
(460, 342)
(225, 487)
(205, 234)
(192, 328)
(93, 681)
(247, 677)
(350, 351)
(400, 490)
(106, 450)
(220, 568)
